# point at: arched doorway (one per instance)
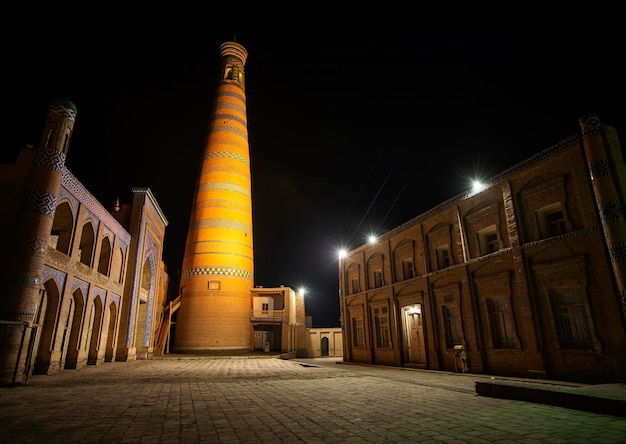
(109, 354)
(142, 336)
(45, 325)
(325, 346)
(95, 324)
(75, 317)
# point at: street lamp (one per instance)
(341, 254)
(477, 186)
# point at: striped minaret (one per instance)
(23, 261)
(218, 265)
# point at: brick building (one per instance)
(80, 285)
(525, 277)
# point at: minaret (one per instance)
(218, 266)
(23, 262)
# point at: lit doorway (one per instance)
(413, 332)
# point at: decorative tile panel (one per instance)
(230, 117)
(84, 286)
(227, 155)
(218, 271)
(50, 160)
(611, 211)
(232, 106)
(75, 188)
(617, 252)
(229, 93)
(221, 223)
(30, 245)
(230, 129)
(599, 168)
(58, 276)
(38, 201)
(225, 186)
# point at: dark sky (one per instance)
(357, 121)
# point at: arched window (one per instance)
(105, 257)
(61, 233)
(117, 265)
(87, 240)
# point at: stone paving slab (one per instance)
(189, 400)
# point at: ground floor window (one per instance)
(502, 328)
(358, 333)
(572, 319)
(381, 320)
(452, 326)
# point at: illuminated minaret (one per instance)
(218, 265)
(22, 263)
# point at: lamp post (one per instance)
(341, 254)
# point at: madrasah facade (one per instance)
(525, 277)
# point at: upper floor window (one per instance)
(117, 265)
(62, 228)
(375, 267)
(404, 261)
(87, 242)
(353, 276)
(551, 220)
(443, 257)
(481, 224)
(355, 285)
(104, 260)
(555, 224)
(378, 278)
(488, 240)
(407, 269)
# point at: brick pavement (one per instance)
(269, 400)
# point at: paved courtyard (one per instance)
(268, 400)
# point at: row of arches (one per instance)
(68, 332)
(79, 327)
(109, 260)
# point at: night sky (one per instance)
(357, 121)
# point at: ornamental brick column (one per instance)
(608, 179)
(24, 258)
(218, 265)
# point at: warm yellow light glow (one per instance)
(415, 309)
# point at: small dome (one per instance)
(65, 102)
